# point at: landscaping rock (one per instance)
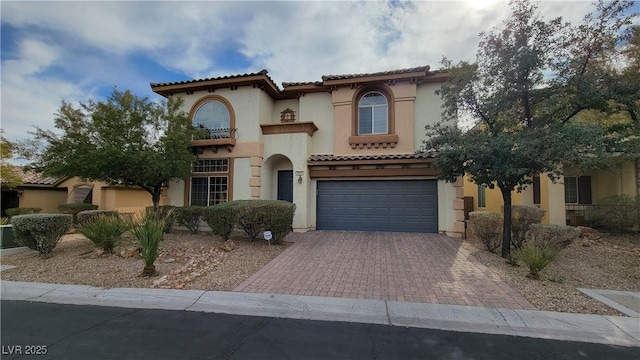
(589, 233)
(169, 260)
(130, 251)
(228, 245)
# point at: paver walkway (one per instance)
(427, 268)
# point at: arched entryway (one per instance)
(278, 178)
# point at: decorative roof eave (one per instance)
(260, 80)
(387, 159)
(414, 76)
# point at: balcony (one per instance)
(214, 138)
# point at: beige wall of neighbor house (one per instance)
(317, 107)
(176, 194)
(46, 199)
(280, 105)
(428, 111)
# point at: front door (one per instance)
(285, 185)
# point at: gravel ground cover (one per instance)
(595, 261)
(186, 261)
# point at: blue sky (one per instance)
(80, 50)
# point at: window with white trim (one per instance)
(373, 114)
(482, 196)
(209, 184)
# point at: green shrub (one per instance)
(277, 217)
(617, 212)
(87, 216)
(189, 217)
(75, 208)
(105, 230)
(166, 212)
(536, 257)
(522, 217)
(40, 232)
(148, 231)
(249, 217)
(550, 235)
(220, 219)
(22, 211)
(487, 226)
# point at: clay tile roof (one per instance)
(332, 158)
(236, 76)
(33, 178)
(305, 83)
(382, 73)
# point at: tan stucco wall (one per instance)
(46, 199)
(280, 106)
(428, 110)
(317, 107)
(241, 178)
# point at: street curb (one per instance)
(612, 330)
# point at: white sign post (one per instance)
(268, 236)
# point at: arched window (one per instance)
(213, 116)
(373, 114)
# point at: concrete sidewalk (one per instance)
(613, 330)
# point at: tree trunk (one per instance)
(155, 197)
(506, 226)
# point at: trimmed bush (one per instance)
(166, 212)
(189, 217)
(40, 232)
(277, 217)
(617, 212)
(249, 217)
(105, 230)
(22, 211)
(75, 208)
(487, 226)
(148, 231)
(536, 257)
(550, 235)
(87, 216)
(522, 217)
(220, 219)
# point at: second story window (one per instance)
(373, 114)
(214, 119)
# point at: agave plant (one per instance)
(148, 231)
(536, 257)
(105, 231)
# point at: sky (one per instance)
(81, 50)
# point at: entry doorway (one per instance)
(285, 185)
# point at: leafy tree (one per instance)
(531, 79)
(126, 140)
(9, 179)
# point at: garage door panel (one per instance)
(378, 205)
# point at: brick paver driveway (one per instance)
(427, 268)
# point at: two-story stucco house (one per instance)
(342, 149)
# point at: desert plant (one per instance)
(75, 208)
(486, 225)
(105, 231)
(220, 219)
(522, 217)
(551, 235)
(617, 212)
(189, 217)
(87, 216)
(40, 232)
(148, 231)
(5, 221)
(167, 213)
(22, 211)
(536, 257)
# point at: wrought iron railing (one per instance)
(213, 134)
(589, 215)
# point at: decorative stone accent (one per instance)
(254, 181)
(373, 141)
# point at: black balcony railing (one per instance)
(214, 134)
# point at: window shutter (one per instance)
(536, 190)
(584, 189)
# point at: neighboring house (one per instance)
(342, 149)
(571, 199)
(47, 193)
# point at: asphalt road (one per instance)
(94, 332)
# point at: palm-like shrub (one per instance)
(536, 257)
(166, 212)
(148, 231)
(105, 231)
(40, 232)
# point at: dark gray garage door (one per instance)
(378, 205)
